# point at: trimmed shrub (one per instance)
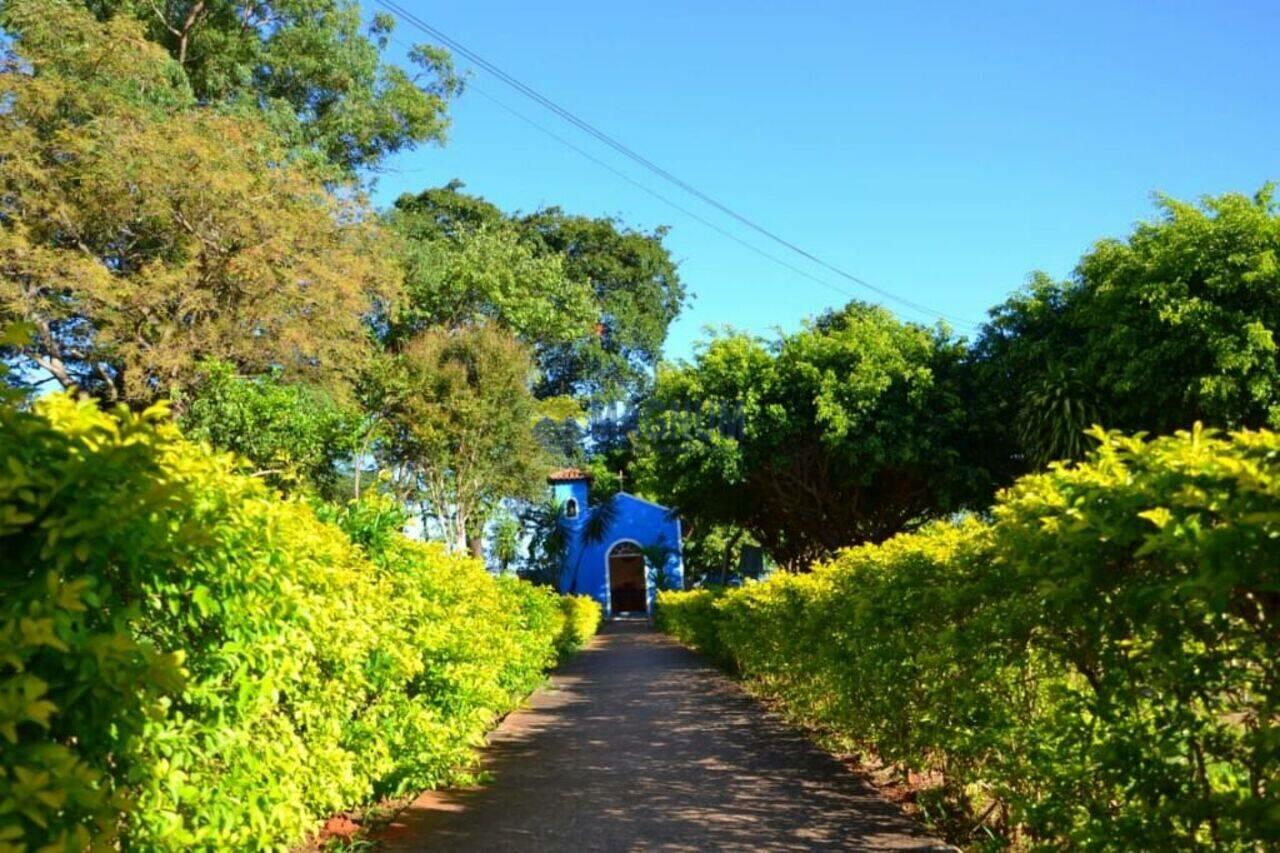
(1098, 665)
(582, 616)
(188, 661)
(693, 619)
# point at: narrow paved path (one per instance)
(639, 745)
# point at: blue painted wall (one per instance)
(575, 490)
(586, 568)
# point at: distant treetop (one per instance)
(310, 65)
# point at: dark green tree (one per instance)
(712, 553)
(505, 540)
(543, 523)
(848, 431)
(294, 435)
(484, 272)
(1173, 325)
(593, 297)
(638, 295)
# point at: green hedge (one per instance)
(189, 662)
(1097, 665)
(693, 619)
(582, 616)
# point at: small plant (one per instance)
(656, 557)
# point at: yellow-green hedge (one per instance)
(692, 618)
(189, 662)
(581, 615)
(1096, 666)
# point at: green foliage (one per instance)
(712, 553)
(1055, 414)
(1173, 325)
(657, 555)
(488, 273)
(1096, 664)
(373, 521)
(612, 451)
(77, 687)
(593, 297)
(692, 618)
(189, 662)
(548, 542)
(307, 66)
(582, 616)
(142, 232)
(847, 431)
(506, 540)
(457, 415)
(294, 435)
(637, 293)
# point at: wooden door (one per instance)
(626, 580)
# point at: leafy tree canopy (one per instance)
(638, 294)
(712, 554)
(141, 233)
(1173, 325)
(488, 273)
(458, 418)
(294, 435)
(309, 65)
(615, 290)
(847, 431)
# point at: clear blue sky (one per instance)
(939, 150)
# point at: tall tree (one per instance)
(638, 294)
(310, 65)
(618, 288)
(1175, 324)
(847, 431)
(459, 418)
(487, 273)
(141, 233)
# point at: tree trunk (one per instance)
(728, 556)
(193, 18)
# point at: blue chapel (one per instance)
(614, 563)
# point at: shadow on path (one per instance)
(638, 744)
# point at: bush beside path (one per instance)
(1096, 665)
(189, 661)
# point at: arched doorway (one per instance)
(627, 592)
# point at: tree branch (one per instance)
(164, 19)
(188, 25)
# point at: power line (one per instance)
(686, 211)
(645, 189)
(626, 151)
(471, 87)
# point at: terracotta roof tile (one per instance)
(567, 475)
